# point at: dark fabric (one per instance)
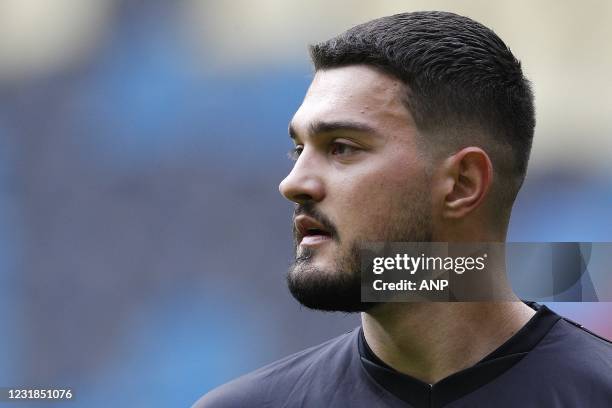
(328, 375)
(551, 362)
(453, 387)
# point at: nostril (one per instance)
(301, 197)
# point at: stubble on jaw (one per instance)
(326, 289)
(338, 289)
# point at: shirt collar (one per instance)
(420, 394)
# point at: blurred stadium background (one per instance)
(143, 242)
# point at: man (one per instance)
(417, 127)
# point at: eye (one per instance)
(294, 153)
(340, 149)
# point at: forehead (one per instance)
(356, 93)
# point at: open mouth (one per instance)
(310, 231)
(316, 231)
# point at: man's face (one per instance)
(359, 176)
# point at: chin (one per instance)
(327, 283)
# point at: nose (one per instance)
(304, 182)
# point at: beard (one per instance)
(338, 289)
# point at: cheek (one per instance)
(370, 200)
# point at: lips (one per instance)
(310, 231)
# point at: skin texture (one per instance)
(357, 179)
(380, 184)
(362, 187)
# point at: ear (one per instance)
(466, 178)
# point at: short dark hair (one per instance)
(463, 84)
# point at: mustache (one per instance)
(309, 210)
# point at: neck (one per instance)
(432, 340)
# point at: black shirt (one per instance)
(550, 362)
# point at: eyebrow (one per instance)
(327, 127)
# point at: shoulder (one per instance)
(573, 358)
(579, 348)
(279, 379)
(570, 363)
